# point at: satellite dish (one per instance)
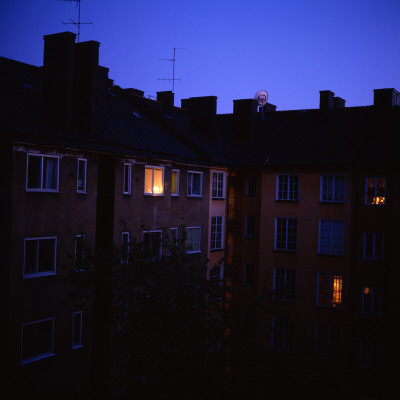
(261, 97)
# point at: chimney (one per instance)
(103, 84)
(244, 118)
(339, 102)
(326, 100)
(85, 85)
(58, 76)
(386, 98)
(166, 97)
(202, 113)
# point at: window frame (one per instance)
(289, 184)
(190, 176)
(77, 344)
(218, 192)
(374, 246)
(154, 168)
(247, 233)
(286, 234)
(217, 232)
(57, 177)
(332, 303)
(82, 190)
(38, 356)
(334, 249)
(198, 249)
(127, 182)
(80, 262)
(249, 185)
(375, 197)
(289, 282)
(249, 272)
(158, 255)
(375, 301)
(178, 174)
(37, 274)
(331, 190)
(282, 335)
(332, 349)
(125, 247)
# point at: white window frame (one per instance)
(288, 283)
(246, 227)
(190, 193)
(289, 194)
(217, 232)
(159, 253)
(286, 234)
(81, 183)
(41, 188)
(81, 236)
(376, 202)
(125, 250)
(375, 301)
(374, 239)
(334, 237)
(153, 168)
(77, 344)
(38, 356)
(127, 183)
(218, 192)
(331, 291)
(336, 196)
(198, 247)
(42, 273)
(178, 174)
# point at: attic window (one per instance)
(27, 85)
(135, 114)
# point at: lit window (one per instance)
(42, 173)
(333, 188)
(287, 187)
(286, 234)
(80, 252)
(375, 191)
(37, 340)
(175, 182)
(125, 247)
(284, 284)
(195, 183)
(327, 342)
(40, 257)
(152, 245)
(216, 233)
(81, 175)
(371, 300)
(154, 181)
(77, 329)
(331, 237)
(218, 185)
(193, 236)
(330, 290)
(127, 178)
(373, 245)
(250, 227)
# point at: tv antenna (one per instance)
(173, 79)
(79, 23)
(261, 97)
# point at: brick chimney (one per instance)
(58, 77)
(244, 118)
(386, 98)
(338, 102)
(166, 97)
(326, 100)
(202, 113)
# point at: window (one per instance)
(80, 251)
(327, 342)
(154, 181)
(252, 185)
(331, 237)
(375, 191)
(152, 245)
(77, 329)
(250, 227)
(370, 354)
(218, 185)
(333, 188)
(81, 175)
(193, 236)
(373, 245)
(125, 243)
(195, 183)
(284, 285)
(329, 290)
(286, 234)
(42, 173)
(175, 182)
(248, 274)
(371, 302)
(287, 187)
(217, 233)
(40, 256)
(282, 335)
(173, 240)
(37, 340)
(127, 179)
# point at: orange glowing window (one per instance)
(375, 192)
(154, 181)
(330, 290)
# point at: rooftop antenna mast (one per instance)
(79, 23)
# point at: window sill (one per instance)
(42, 191)
(216, 250)
(81, 192)
(195, 195)
(330, 255)
(154, 195)
(285, 251)
(287, 201)
(36, 358)
(332, 202)
(78, 346)
(39, 275)
(193, 252)
(217, 198)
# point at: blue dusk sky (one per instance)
(225, 48)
